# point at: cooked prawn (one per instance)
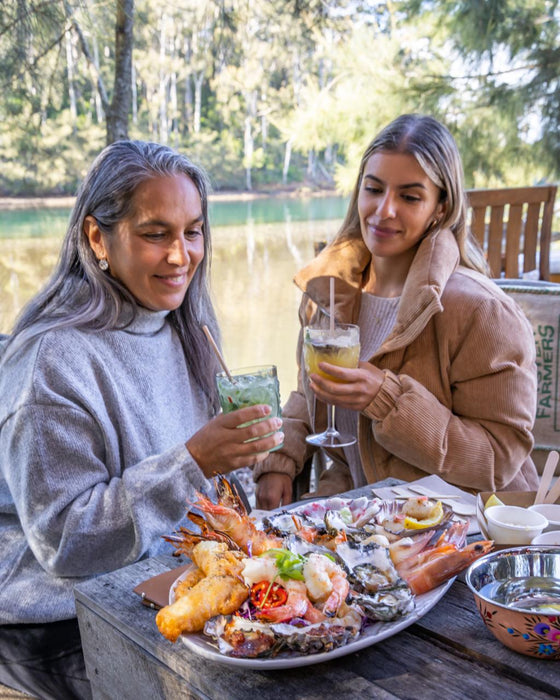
(296, 605)
(326, 582)
(431, 568)
(240, 528)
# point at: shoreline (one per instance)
(67, 202)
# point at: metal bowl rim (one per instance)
(524, 549)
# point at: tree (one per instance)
(510, 68)
(119, 111)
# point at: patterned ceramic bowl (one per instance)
(517, 592)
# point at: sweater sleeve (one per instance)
(482, 439)
(78, 519)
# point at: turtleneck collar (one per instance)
(145, 321)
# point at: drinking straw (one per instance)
(218, 353)
(331, 305)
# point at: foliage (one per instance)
(265, 93)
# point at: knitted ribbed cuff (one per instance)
(275, 462)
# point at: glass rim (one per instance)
(254, 369)
(326, 327)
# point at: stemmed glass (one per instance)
(340, 346)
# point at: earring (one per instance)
(103, 264)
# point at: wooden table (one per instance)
(447, 654)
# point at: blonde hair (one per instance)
(435, 149)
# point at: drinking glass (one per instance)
(250, 386)
(340, 347)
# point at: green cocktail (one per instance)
(253, 385)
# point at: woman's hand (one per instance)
(273, 489)
(355, 389)
(221, 445)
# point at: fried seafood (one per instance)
(192, 577)
(310, 577)
(220, 592)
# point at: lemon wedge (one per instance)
(493, 501)
(435, 516)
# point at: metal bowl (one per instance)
(517, 592)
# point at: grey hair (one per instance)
(433, 146)
(80, 295)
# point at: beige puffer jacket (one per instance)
(460, 388)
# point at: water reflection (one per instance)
(252, 270)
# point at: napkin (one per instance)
(155, 590)
(440, 487)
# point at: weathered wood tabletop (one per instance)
(447, 654)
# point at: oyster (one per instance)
(240, 637)
(376, 584)
(354, 512)
(387, 604)
(286, 522)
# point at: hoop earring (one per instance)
(103, 264)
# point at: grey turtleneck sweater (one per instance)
(93, 463)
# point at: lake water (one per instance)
(258, 245)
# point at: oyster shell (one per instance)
(376, 584)
(240, 637)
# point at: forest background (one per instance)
(275, 94)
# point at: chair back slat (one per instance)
(546, 234)
(495, 236)
(513, 239)
(514, 222)
(478, 224)
(531, 237)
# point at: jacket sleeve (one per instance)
(482, 438)
(79, 520)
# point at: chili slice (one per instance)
(266, 595)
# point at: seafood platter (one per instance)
(311, 583)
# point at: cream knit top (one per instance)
(376, 320)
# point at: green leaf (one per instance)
(289, 565)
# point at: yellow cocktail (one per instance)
(341, 348)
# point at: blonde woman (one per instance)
(447, 379)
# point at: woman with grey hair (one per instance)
(109, 415)
(446, 384)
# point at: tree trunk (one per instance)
(71, 87)
(99, 108)
(134, 96)
(198, 80)
(287, 158)
(117, 116)
(163, 79)
(248, 148)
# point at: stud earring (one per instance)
(103, 264)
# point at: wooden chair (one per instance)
(519, 222)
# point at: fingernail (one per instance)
(278, 423)
(281, 436)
